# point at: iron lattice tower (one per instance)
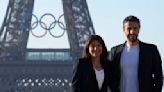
(17, 74)
(13, 36)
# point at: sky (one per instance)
(107, 17)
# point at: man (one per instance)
(137, 66)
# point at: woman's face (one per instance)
(95, 49)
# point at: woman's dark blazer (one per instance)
(84, 78)
(149, 68)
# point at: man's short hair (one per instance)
(131, 18)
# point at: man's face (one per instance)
(131, 30)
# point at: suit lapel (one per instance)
(117, 59)
(92, 73)
(141, 61)
(141, 51)
(119, 51)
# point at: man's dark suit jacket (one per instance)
(149, 68)
(84, 77)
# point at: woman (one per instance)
(91, 73)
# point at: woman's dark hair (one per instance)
(86, 54)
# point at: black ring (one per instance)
(49, 28)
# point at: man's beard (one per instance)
(132, 38)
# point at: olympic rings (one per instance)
(46, 27)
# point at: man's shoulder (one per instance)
(117, 46)
(148, 45)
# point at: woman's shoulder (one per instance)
(79, 63)
(83, 60)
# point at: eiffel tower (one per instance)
(27, 70)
